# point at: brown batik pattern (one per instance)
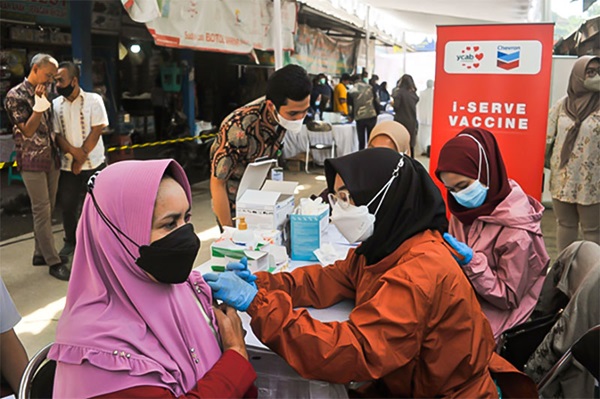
(249, 133)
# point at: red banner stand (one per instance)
(496, 77)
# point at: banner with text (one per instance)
(495, 77)
(228, 26)
(318, 53)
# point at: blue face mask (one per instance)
(472, 196)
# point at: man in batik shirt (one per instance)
(254, 131)
(30, 112)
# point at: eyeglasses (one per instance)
(342, 197)
(591, 72)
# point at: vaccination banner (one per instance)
(228, 26)
(496, 77)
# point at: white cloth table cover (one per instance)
(346, 142)
(384, 117)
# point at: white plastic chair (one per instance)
(321, 139)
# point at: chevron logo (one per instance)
(508, 57)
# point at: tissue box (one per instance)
(307, 234)
(225, 251)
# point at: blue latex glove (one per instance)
(463, 249)
(241, 269)
(231, 289)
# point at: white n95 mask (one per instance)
(355, 223)
(291, 126)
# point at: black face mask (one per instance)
(171, 259)
(65, 91)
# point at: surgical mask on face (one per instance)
(366, 80)
(349, 86)
(355, 223)
(291, 126)
(65, 91)
(317, 103)
(474, 196)
(592, 84)
(322, 81)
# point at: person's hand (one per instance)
(41, 101)
(230, 329)
(76, 167)
(231, 289)
(465, 252)
(241, 269)
(40, 90)
(78, 154)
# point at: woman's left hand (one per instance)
(230, 328)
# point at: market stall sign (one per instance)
(319, 53)
(51, 12)
(222, 25)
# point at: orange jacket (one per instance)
(416, 330)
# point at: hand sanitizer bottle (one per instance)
(243, 236)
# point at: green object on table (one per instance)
(216, 268)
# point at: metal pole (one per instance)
(187, 88)
(546, 11)
(81, 41)
(367, 37)
(276, 32)
(404, 53)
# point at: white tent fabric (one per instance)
(390, 18)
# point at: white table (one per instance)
(384, 117)
(275, 377)
(346, 142)
(344, 134)
(337, 312)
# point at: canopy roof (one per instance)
(390, 18)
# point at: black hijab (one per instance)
(413, 203)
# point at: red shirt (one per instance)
(231, 377)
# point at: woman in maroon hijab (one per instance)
(495, 227)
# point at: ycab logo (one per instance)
(517, 57)
(470, 57)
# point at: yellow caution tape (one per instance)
(155, 143)
(7, 164)
(133, 146)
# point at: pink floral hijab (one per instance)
(120, 329)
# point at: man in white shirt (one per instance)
(79, 118)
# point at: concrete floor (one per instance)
(40, 298)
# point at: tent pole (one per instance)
(276, 32)
(367, 39)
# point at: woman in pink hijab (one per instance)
(138, 322)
